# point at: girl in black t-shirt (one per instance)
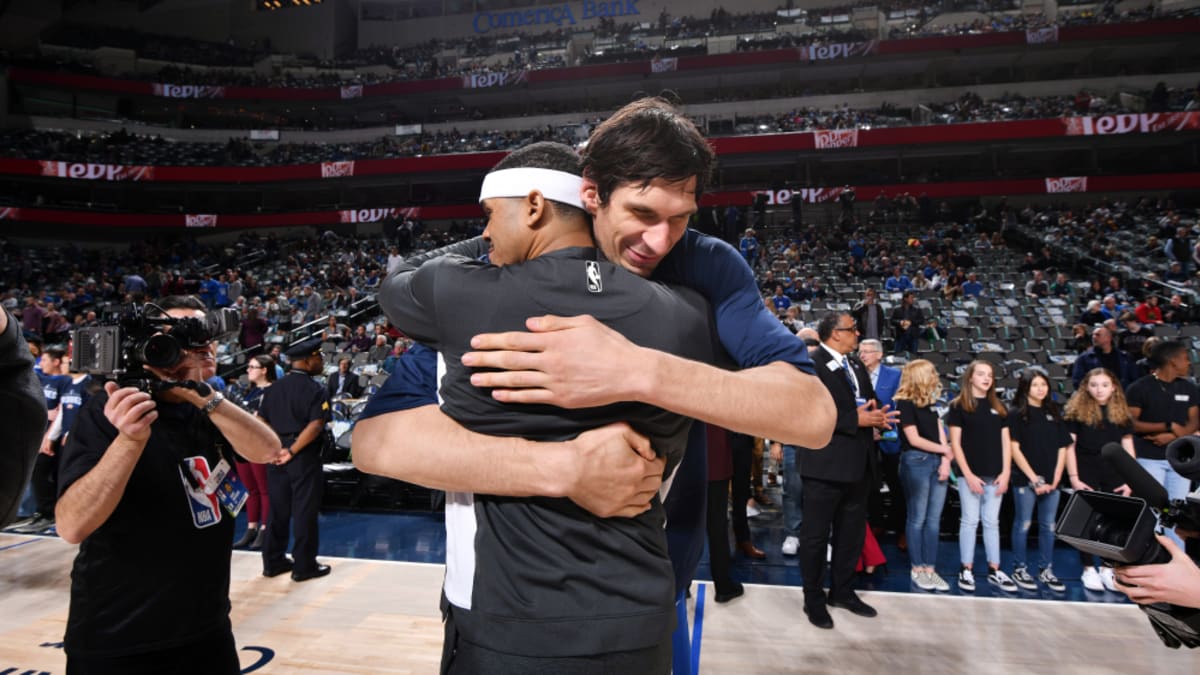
(924, 469)
(1096, 415)
(1039, 449)
(978, 424)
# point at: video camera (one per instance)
(1120, 530)
(145, 335)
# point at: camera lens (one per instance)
(161, 351)
(1111, 532)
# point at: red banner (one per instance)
(939, 43)
(762, 144)
(107, 172)
(864, 193)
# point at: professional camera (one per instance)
(145, 335)
(1120, 530)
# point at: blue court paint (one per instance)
(698, 630)
(681, 651)
(19, 543)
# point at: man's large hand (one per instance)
(569, 362)
(617, 472)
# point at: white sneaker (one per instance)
(997, 577)
(790, 546)
(966, 580)
(1091, 579)
(1106, 578)
(921, 579)
(938, 583)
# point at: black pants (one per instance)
(842, 506)
(742, 448)
(891, 517)
(44, 481)
(294, 490)
(460, 657)
(214, 656)
(718, 535)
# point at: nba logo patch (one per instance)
(594, 283)
(206, 511)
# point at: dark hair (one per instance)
(827, 323)
(547, 155)
(268, 365)
(644, 140)
(182, 302)
(55, 352)
(1164, 351)
(1021, 399)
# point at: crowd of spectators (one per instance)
(123, 147)
(227, 64)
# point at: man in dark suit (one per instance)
(836, 479)
(869, 316)
(885, 380)
(343, 382)
(907, 323)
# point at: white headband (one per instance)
(557, 185)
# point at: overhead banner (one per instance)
(264, 134)
(188, 91)
(483, 80)
(828, 139)
(200, 220)
(337, 169)
(86, 171)
(378, 215)
(1140, 123)
(352, 91)
(1041, 36)
(408, 129)
(10, 213)
(1066, 184)
(661, 64)
(837, 50)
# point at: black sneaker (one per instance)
(1047, 577)
(37, 525)
(1022, 578)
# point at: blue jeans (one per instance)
(1177, 486)
(1024, 499)
(987, 506)
(791, 493)
(925, 496)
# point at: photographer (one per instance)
(1176, 582)
(150, 584)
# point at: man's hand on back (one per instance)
(615, 471)
(569, 362)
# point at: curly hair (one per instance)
(919, 383)
(1084, 408)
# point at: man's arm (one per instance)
(609, 471)
(88, 502)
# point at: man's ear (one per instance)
(589, 193)
(535, 209)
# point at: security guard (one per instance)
(296, 407)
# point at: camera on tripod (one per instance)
(1120, 530)
(145, 335)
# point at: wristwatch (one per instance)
(213, 403)
(1041, 482)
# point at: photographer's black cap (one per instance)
(303, 349)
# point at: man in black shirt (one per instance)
(1104, 354)
(617, 612)
(21, 399)
(296, 408)
(1133, 335)
(1165, 405)
(150, 585)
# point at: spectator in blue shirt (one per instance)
(748, 245)
(898, 282)
(780, 301)
(972, 287)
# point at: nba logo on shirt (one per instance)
(206, 511)
(594, 285)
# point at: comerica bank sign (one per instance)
(558, 15)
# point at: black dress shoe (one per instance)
(854, 606)
(247, 538)
(819, 616)
(257, 544)
(279, 568)
(318, 571)
(737, 591)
